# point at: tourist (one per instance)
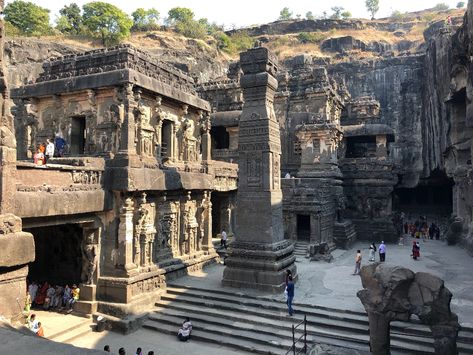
(106, 348)
(50, 295)
(33, 290)
(184, 332)
(66, 296)
(41, 295)
(60, 146)
(57, 299)
(406, 228)
(74, 297)
(290, 295)
(372, 252)
(382, 252)
(121, 351)
(358, 258)
(27, 303)
(139, 351)
(33, 323)
(415, 250)
(223, 240)
(40, 331)
(49, 150)
(418, 249)
(287, 176)
(38, 158)
(288, 273)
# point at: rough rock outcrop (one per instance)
(394, 293)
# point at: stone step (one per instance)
(171, 325)
(356, 323)
(76, 332)
(325, 327)
(278, 308)
(68, 329)
(282, 330)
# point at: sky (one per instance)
(242, 13)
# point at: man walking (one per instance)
(290, 294)
(357, 262)
(223, 240)
(382, 252)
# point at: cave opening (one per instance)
(220, 138)
(360, 147)
(58, 254)
(432, 196)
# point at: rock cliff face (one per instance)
(397, 84)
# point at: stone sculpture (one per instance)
(394, 293)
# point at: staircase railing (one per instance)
(302, 339)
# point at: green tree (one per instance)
(145, 20)
(309, 15)
(106, 21)
(372, 6)
(285, 14)
(441, 6)
(29, 18)
(460, 5)
(70, 20)
(179, 14)
(337, 12)
(345, 15)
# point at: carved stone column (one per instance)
(127, 141)
(205, 125)
(125, 236)
(259, 256)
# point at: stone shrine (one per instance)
(260, 255)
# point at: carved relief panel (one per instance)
(144, 232)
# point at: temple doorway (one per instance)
(303, 227)
(78, 135)
(58, 254)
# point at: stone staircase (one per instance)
(70, 333)
(300, 249)
(344, 234)
(261, 325)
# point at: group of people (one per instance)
(421, 229)
(52, 148)
(49, 297)
(382, 256)
(122, 351)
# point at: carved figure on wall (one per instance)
(89, 259)
(144, 134)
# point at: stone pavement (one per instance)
(333, 285)
(149, 340)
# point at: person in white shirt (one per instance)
(223, 240)
(184, 332)
(49, 150)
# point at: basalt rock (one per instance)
(394, 293)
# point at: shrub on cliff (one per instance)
(106, 21)
(30, 19)
(145, 20)
(311, 37)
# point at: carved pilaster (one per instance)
(125, 236)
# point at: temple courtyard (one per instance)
(326, 285)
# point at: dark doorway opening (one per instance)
(166, 143)
(220, 138)
(431, 196)
(58, 254)
(361, 147)
(303, 227)
(78, 135)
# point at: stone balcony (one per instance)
(62, 187)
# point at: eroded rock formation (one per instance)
(395, 293)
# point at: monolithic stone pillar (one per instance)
(205, 126)
(259, 256)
